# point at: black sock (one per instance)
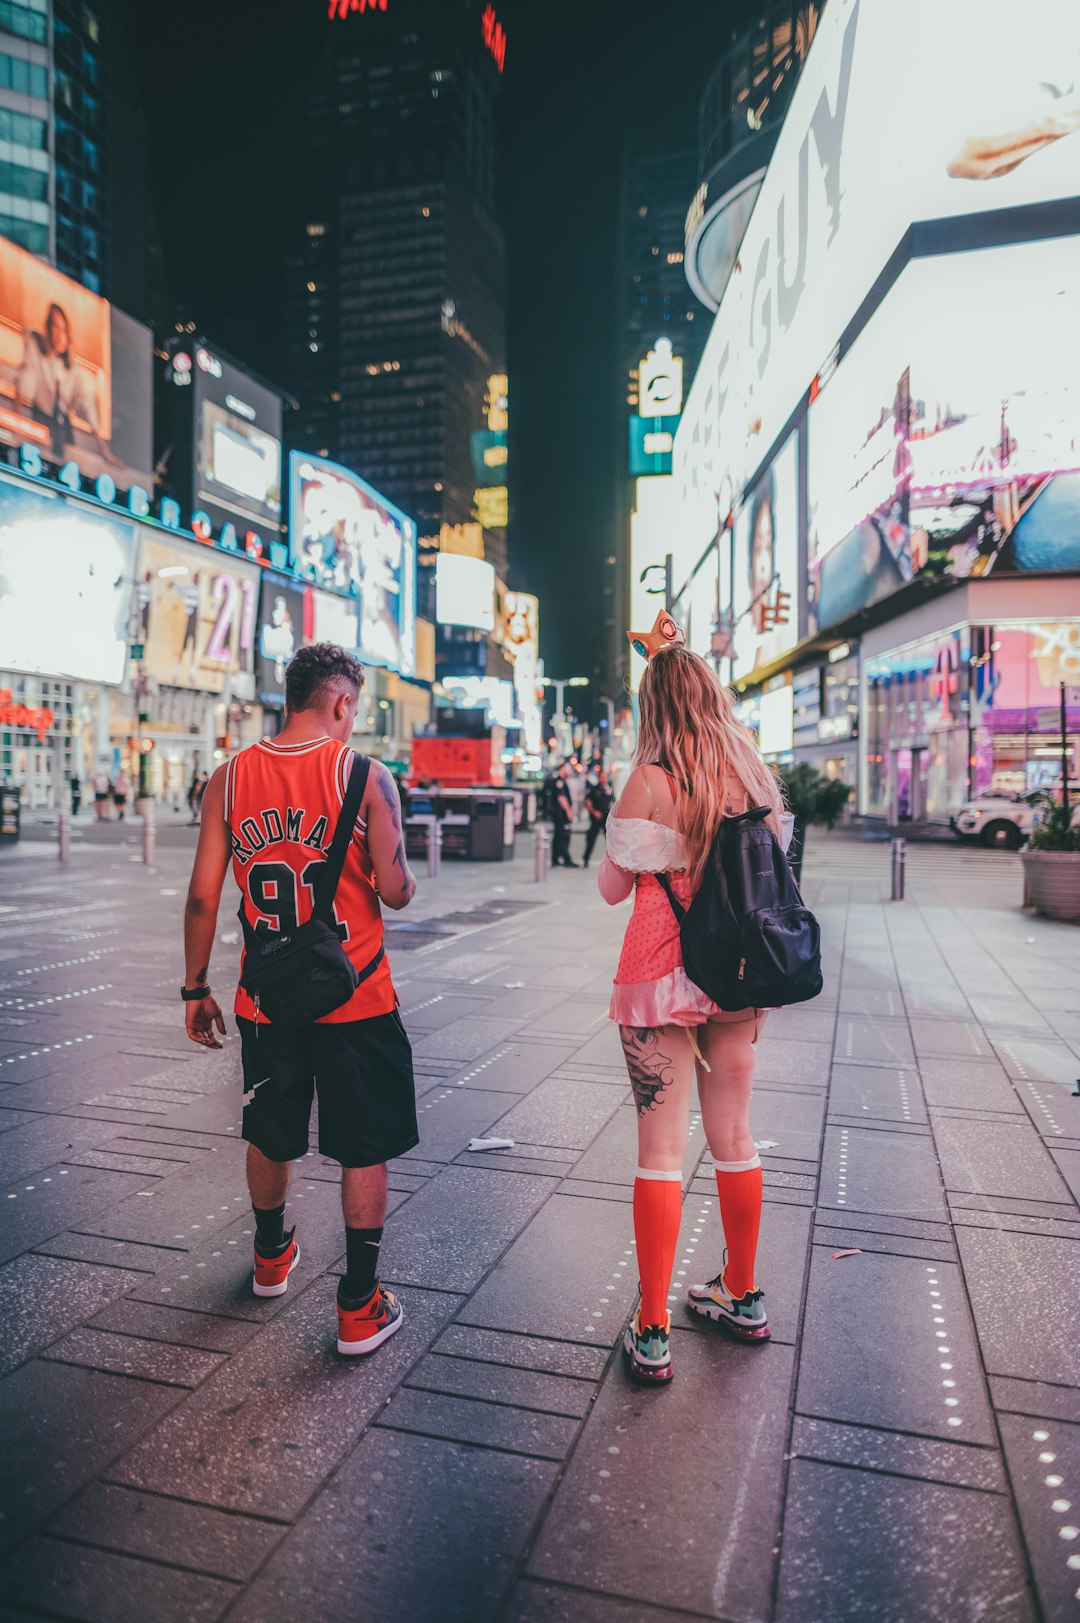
(270, 1230)
(362, 1253)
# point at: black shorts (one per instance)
(363, 1072)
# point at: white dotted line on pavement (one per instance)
(48, 1048)
(1045, 1108)
(905, 1102)
(590, 1328)
(841, 1192)
(445, 1094)
(60, 997)
(1067, 1531)
(428, 1005)
(30, 1187)
(937, 1313)
(500, 1054)
(66, 963)
(679, 1282)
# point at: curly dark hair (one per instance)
(314, 675)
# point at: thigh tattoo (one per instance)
(651, 1070)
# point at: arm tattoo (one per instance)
(400, 862)
(388, 790)
(651, 1070)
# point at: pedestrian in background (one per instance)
(695, 764)
(76, 794)
(280, 810)
(562, 814)
(598, 799)
(121, 788)
(101, 794)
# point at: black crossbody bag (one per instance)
(298, 977)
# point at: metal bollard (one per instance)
(542, 853)
(434, 848)
(898, 870)
(148, 835)
(63, 837)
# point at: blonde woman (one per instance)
(695, 763)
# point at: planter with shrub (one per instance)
(811, 798)
(1052, 865)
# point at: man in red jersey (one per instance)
(272, 811)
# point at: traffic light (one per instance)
(777, 613)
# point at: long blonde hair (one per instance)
(687, 725)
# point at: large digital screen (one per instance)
(765, 574)
(286, 622)
(948, 440)
(196, 616)
(66, 574)
(464, 592)
(76, 376)
(237, 442)
(652, 526)
(346, 537)
(927, 112)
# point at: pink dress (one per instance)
(651, 986)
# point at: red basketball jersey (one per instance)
(281, 804)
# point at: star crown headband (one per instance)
(664, 634)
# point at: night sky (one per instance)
(580, 77)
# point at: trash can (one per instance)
(486, 839)
(10, 813)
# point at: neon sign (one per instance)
(494, 36)
(342, 8)
(136, 504)
(24, 717)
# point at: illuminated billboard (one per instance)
(651, 523)
(660, 382)
(76, 375)
(521, 622)
(286, 622)
(650, 445)
(765, 574)
(195, 616)
(66, 574)
(235, 429)
(856, 164)
(948, 440)
(345, 537)
(464, 592)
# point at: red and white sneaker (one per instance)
(362, 1329)
(272, 1273)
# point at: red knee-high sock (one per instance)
(657, 1214)
(739, 1186)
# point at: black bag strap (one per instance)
(676, 906)
(329, 875)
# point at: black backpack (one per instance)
(747, 940)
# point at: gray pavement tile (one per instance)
(219, 1113)
(559, 1114)
(705, 1543)
(466, 1039)
(791, 1120)
(943, 1002)
(177, 1326)
(878, 1333)
(57, 1198)
(604, 1049)
(96, 1586)
(922, 1550)
(399, 1505)
(61, 1427)
(578, 1017)
(517, 1163)
(179, 1211)
(533, 1602)
(499, 1383)
(1015, 1396)
(526, 1003)
(120, 1161)
(441, 1009)
(145, 1259)
(973, 1084)
(187, 1146)
(526, 1352)
(959, 1202)
(41, 1298)
(887, 1001)
(1053, 1112)
(513, 1067)
(882, 1172)
(1005, 1275)
(449, 1116)
(272, 1424)
(38, 1142)
(1068, 1162)
(869, 1125)
(612, 1155)
(805, 1022)
(124, 1355)
(870, 1223)
(873, 1041)
(793, 1063)
(1032, 1059)
(487, 1425)
(996, 1158)
(943, 1038)
(195, 1537)
(1044, 1469)
(955, 1464)
(1017, 1224)
(893, 1245)
(1009, 1014)
(570, 1274)
(882, 1092)
(458, 1224)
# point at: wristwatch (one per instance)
(195, 994)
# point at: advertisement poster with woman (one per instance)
(765, 584)
(198, 616)
(346, 537)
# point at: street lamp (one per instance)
(560, 684)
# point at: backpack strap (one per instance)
(676, 906)
(329, 875)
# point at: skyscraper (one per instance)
(395, 302)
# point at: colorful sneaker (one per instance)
(362, 1329)
(647, 1350)
(272, 1273)
(741, 1316)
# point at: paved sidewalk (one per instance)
(907, 1447)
